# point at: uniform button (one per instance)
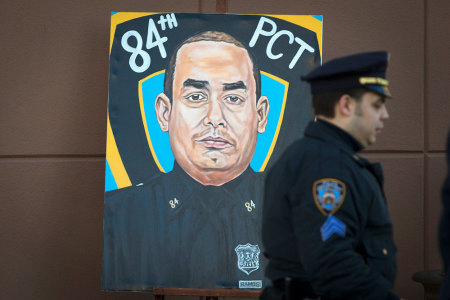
(385, 252)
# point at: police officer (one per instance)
(444, 229)
(326, 227)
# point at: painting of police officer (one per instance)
(199, 108)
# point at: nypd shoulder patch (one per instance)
(329, 195)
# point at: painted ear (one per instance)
(262, 109)
(163, 108)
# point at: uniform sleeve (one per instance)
(327, 226)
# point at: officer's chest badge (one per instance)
(329, 194)
(248, 258)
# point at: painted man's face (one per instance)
(214, 118)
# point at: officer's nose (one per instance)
(214, 116)
(384, 113)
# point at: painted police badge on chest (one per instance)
(248, 258)
(329, 195)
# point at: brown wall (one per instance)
(53, 93)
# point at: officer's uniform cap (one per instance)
(366, 70)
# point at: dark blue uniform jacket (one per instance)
(444, 229)
(354, 257)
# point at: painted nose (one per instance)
(214, 116)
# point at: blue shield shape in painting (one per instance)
(248, 258)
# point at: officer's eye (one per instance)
(377, 104)
(196, 97)
(233, 99)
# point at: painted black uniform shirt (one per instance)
(341, 244)
(175, 232)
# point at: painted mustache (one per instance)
(215, 139)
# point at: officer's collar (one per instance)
(345, 136)
(331, 133)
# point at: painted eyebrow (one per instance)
(234, 86)
(198, 84)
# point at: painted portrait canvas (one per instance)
(200, 106)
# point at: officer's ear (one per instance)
(163, 108)
(346, 106)
(262, 109)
